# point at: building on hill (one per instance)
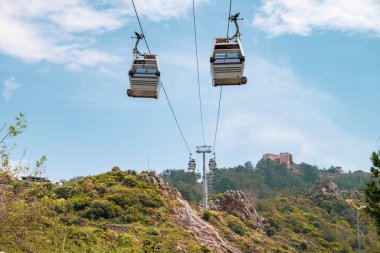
(282, 158)
(339, 170)
(334, 170)
(35, 179)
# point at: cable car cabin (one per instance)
(192, 165)
(144, 76)
(212, 165)
(227, 62)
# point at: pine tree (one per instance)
(372, 190)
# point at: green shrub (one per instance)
(64, 191)
(59, 205)
(102, 189)
(130, 181)
(205, 249)
(270, 231)
(206, 215)
(235, 225)
(303, 246)
(216, 196)
(125, 240)
(251, 224)
(274, 222)
(101, 209)
(131, 214)
(120, 199)
(153, 232)
(148, 245)
(150, 199)
(80, 202)
(296, 230)
(316, 224)
(132, 172)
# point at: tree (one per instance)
(309, 173)
(9, 173)
(224, 185)
(372, 190)
(7, 132)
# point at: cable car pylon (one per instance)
(204, 150)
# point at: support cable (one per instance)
(175, 118)
(221, 87)
(163, 87)
(198, 79)
(142, 31)
(229, 15)
(217, 118)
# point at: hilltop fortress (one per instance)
(283, 158)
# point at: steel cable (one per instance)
(198, 79)
(221, 87)
(162, 84)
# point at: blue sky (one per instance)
(312, 68)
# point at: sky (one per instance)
(313, 70)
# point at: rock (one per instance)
(352, 194)
(117, 227)
(236, 203)
(327, 195)
(324, 190)
(204, 233)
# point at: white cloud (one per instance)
(157, 10)
(278, 111)
(303, 16)
(46, 30)
(10, 85)
(65, 31)
(91, 58)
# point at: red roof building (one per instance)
(282, 158)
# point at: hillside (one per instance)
(309, 209)
(112, 212)
(125, 211)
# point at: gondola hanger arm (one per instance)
(138, 37)
(235, 18)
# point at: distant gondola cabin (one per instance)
(212, 164)
(192, 165)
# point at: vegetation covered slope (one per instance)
(112, 212)
(125, 211)
(305, 211)
(320, 220)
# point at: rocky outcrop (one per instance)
(236, 203)
(327, 195)
(352, 194)
(324, 190)
(204, 233)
